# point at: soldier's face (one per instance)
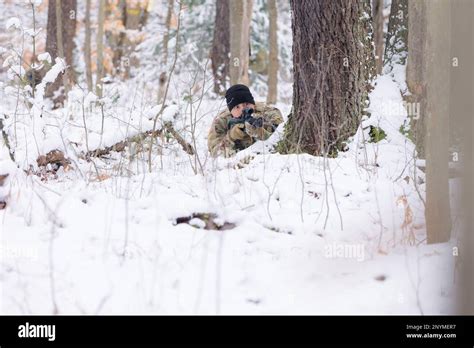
(237, 110)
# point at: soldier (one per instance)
(226, 138)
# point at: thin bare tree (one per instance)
(273, 56)
(87, 46)
(240, 40)
(100, 49)
(164, 76)
(377, 15)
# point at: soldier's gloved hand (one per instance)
(237, 132)
(254, 132)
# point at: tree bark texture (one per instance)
(333, 63)
(415, 67)
(377, 15)
(65, 31)
(221, 47)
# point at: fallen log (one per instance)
(57, 157)
(140, 137)
(121, 145)
(186, 146)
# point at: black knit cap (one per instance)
(238, 94)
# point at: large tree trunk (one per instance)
(87, 47)
(100, 49)
(415, 66)
(461, 111)
(60, 43)
(332, 65)
(240, 40)
(221, 47)
(438, 68)
(377, 15)
(273, 56)
(396, 44)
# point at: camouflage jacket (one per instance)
(219, 142)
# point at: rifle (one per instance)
(246, 117)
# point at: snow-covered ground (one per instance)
(307, 235)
